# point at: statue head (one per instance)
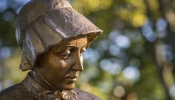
(52, 36)
(62, 63)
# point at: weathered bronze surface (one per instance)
(52, 36)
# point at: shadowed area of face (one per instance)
(62, 64)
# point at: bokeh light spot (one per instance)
(114, 34)
(148, 32)
(172, 91)
(132, 73)
(114, 50)
(91, 55)
(122, 41)
(8, 16)
(119, 91)
(112, 67)
(5, 52)
(3, 5)
(161, 24)
(0, 85)
(103, 45)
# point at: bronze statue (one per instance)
(52, 36)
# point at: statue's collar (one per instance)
(44, 91)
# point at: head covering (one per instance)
(44, 23)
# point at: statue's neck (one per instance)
(42, 90)
(36, 75)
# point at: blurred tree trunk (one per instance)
(164, 68)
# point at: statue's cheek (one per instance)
(63, 63)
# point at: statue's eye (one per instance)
(66, 54)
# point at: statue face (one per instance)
(62, 64)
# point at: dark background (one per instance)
(132, 60)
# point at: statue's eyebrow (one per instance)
(71, 46)
(75, 46)
(60, 49)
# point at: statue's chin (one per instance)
(67, 86)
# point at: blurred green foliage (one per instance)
(132, 60)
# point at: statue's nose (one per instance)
(78, 62)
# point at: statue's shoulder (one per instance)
(15, 92)
(82, 95)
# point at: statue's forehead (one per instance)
(78, 42)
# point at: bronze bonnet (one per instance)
(44, 23)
